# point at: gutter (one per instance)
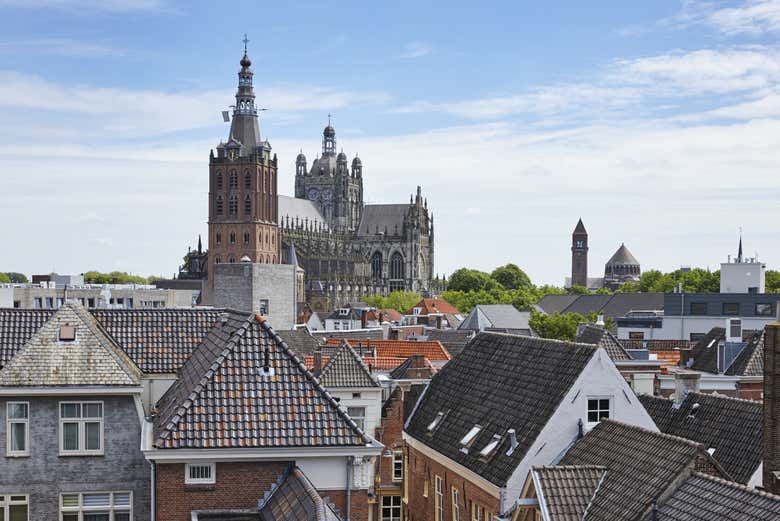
(349, 487)
(152, 499)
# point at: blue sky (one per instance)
(656, 122)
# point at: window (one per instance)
(233, 205)
(263, 306)
(219, 180)
(579, 243)
(220, 205)
(232, 237)
(438, 499)
(91, 302)
(391, 508)
(695, 337)
(38, 303)
(376, 266)
(97, 506)
(764, 310)
(598, 409)
(476, 512)
(217, 260)
(358, 414)
(492, 445)
(398, 465)
(81, 428)
(436, 421)
(248, 180)
(396, 272)
(356, 396)
(246, 237)
(247, 204)
(636, 335)
(233, 179)
(219, 238)
(470, 436)
(698, 308)
(201, 473)
(18, 428)
(49, 302)
(231, 260)
(455, 504)
(14, 507)
(730, 308)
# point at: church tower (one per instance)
(243, 202)
(579, 256)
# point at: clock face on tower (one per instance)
(313, 193)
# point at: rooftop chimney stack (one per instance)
(771, 465)
(317, 361)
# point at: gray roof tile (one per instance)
(567, 490)
(593, 334)
(345, 368)
(17, 326)
(294, 498)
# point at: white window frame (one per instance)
(438, 500)
(11, 421)
(112, 508)
(398, 464)
(362, 422)
(386, 511)
(455, 504)
(476, 511)
(82, 431)
(200, 481)
(7, 500)
(610, 411)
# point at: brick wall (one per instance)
(358, 503)
(772, 408)
(751, 391)
(238, 485)
(704, 465)
(392, 428)
(421, 508)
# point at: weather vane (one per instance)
(246, 41)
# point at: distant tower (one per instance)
(579, 256)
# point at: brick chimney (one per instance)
(317, 361)
(772, 407)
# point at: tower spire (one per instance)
(739, 253)
(245, 128)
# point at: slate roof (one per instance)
(453, 340)
(17, 326)
(91, 359)
(303, 209)
(586, 304)
(593, 334)
(159, 340)
(434, 305)
(432, 349)
(612, 306)
(551, 304)
(300, 341)
(499, 382)
(416, 367)
(641, 464)
(346, 369)
(731, 426)
(622, 257)
(294, 498)
(378, 217)
(705, 498)
(225, 399)
(498, 316)
(749, 362)
(567, 490)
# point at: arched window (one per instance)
(232, 237)
(217, 260)
(396, 272)
(248, 180)
(232, 260)
(219, 238)
(233, 205)
(219, 180)
(233, 179)
(376, 266)
(246, 237)
(274, 259)
(220, 205)
(247, 204)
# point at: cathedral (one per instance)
(347, 249)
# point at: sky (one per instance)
(657, 123)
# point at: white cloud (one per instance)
(752, 17)
(416, 50)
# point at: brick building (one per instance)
(771, 467)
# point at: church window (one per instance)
(219, 180)
(233, 206)
(232, 237)
(247, 204)
(396, 272)
(376, 266)
(246, 237)
(232, 260)
(217, 260)
(248, 180)
(220, 205)
(233, 179)
(219, 238)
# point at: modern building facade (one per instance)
(49, 295)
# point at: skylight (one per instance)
(436, 421)
(488, 449)
(468, 439)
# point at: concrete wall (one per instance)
(44, 475)
(142, 298)
(680, 328)
(739, 277)
(6, 297)
(243, 286)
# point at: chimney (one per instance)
(317, 361)
(364, 319)
(685, 382)
(771, 466)
(512, 441)
(600, 320)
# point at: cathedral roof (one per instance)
(623, 257)
(325, 163)
(301, 208)
(378, 217)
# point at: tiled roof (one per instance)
(731, 426)
(17, 326)
(593, 334)
(500, 316)
(567, 490)
(434, 306)
(432, 349)
(374, 363)
(159, 340)
(615, 305)
(453, 340)
(641, 464)
(705, 353)
(416, 367)
(300, 341)
(705, 498)
(551, 304)
(750, 361)
(390, 315)
(657, 345)
(294, 498)
(224, 398)
(91, 359)
(499, 382)
(346, 369)
(357, 335)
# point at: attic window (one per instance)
(436, 421)
(468, 439)
(67, 333)
(490, 448)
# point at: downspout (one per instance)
(152, 499)
(349, 486)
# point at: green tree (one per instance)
(17, 278)
(115, 277)
(578, 290)
(466, 279)
(557, 326)
(511, 277)
(399, 300)
(4, 278)
(773, 281)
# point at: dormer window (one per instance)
(488, 450)
(436, 421)
(67, 333)
(470, 436)
(416, 311)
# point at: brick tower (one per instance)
(579, 256)
(243, 201)
(771, 468)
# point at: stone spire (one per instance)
(245, 127)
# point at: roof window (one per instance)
(67, 333)
(491, 447)
(436, 421)
(468, 439)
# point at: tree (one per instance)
(773, 281)
(399, 300)
(115, 277)
(511, 277)
(17, 278)
(4, 278)
(578, 290)
(557, 326)
(465, 279)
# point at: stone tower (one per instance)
(579, 256)
(243, 202)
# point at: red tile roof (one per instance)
(433, 306)
(379, 363)
(403, 349)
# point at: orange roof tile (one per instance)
(432, 306)
(432, 349)
(379, 363)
